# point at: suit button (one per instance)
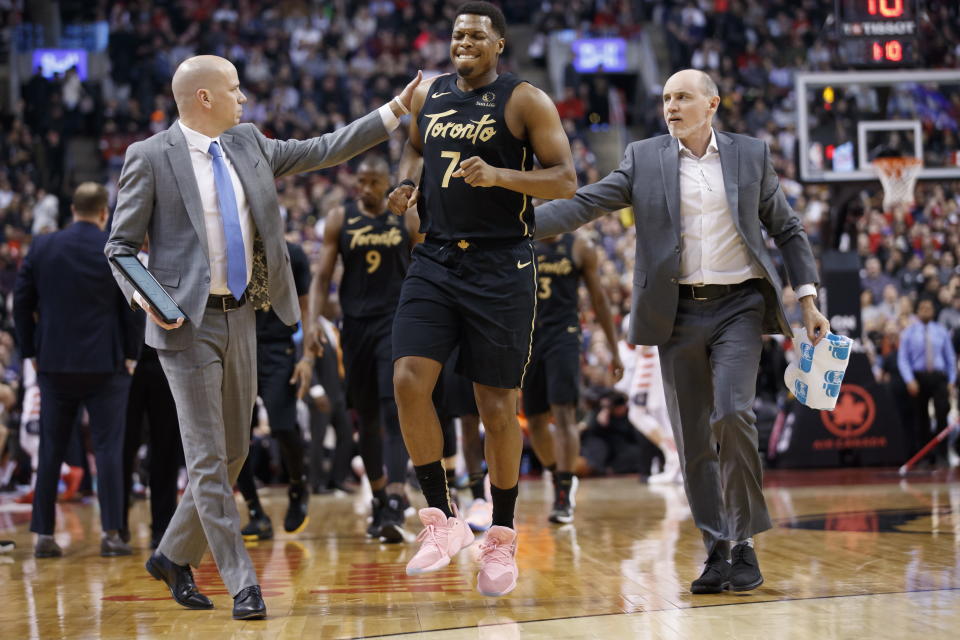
(206, 280)
(676, 249)
(674, 281)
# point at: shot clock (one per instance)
(877, 33)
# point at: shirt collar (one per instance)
(711, 146)
(198, 140)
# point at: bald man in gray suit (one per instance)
(704, 291)
(203, 191)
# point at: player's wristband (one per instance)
(403, 109)
(406, 183)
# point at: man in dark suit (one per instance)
(704, 291)
(86, 341)
(204, 192)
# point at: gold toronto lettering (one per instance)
(481, 129)
(362, 238)
(561, 267)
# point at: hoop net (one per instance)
(899, 179)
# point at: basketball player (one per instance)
(553, 376)
(374, 245)
(473, 136)
(280, 381)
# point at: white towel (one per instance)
(815, 375)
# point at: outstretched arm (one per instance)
(612, 193)
(287, 157)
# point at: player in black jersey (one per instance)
(468, 165)
(374, 245)
(553, 377)
(280, 380)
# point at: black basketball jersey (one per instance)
(456, 125)
(375, 253)
(558, 279)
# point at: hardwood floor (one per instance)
(854, 555)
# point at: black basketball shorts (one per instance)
(367, 359)
(553, 376)
(480, 298)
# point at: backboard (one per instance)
(846, 119)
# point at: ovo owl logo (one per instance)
(853, 415)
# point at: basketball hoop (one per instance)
(899, 179)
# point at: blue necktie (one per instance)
(236, 256)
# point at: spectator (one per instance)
(927, 364)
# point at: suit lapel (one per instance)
(182, 166)
(730, 164)
(670, 169)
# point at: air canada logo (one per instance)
(853, 415)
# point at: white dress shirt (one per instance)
(199, 146)
(712, 250)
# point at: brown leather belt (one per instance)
(712, 291)
(226, 302)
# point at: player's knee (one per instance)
(406, 381)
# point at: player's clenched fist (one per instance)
(476, 173)
(402, 198)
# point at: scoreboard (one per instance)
(877, 33)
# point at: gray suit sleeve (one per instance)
(289, 157)
(784, 226)
(590, 202)
(135, 194)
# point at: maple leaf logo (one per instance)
(853, 415)
(849, 412)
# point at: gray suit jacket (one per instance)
(648, 179)
(158, 196)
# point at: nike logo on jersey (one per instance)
(437, 95)
(353, 220)
(521, 265)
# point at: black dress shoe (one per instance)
(179, 579)
(745, 570)
(248, 604)
(716, 574)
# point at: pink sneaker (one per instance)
(498, 562)
(441, 539)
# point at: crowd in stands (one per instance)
(309, 67)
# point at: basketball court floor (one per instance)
(855, 554)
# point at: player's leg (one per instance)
(358, 337)
(425, 329)
(562, 369)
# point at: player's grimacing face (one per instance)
(371, 187)
(474, 45)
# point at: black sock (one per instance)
(433, 484)
(476, 485)
(451, 477)
(562, 485)
(380, 495)
(256, 509)
(504, 504)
